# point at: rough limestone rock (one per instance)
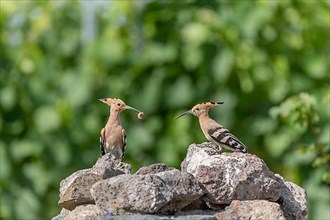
(230, 176)
(293, 200)
(75, 189)
(83, 212)
(198, 204)
(210, 186)
(184, 188)
(193, 215)
(164, 192)
(108, 166)
(252, 209)
(153, 169)
(64, 212)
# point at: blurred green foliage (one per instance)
(267, 60)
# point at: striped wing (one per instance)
(124, 142)
(223, 137)
(102, 141)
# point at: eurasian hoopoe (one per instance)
(113, 136)
(212, 130)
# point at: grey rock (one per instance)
(184, 188)
(195, 215)
(128, 193)
(230, 176)
(208, 183)
(293, 200)
(251, 209)
(108, 166)
(75, 189)
(153, 169)
(198, 152)
(164, 192)
(64, 212)
(83, 212)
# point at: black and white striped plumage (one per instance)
(212, 130)
(223, 138)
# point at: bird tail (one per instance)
(223, 137)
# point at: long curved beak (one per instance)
(182, 114)
(127, 107)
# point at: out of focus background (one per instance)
(267, 60)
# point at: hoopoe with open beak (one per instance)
(214, 131)
(113, 136)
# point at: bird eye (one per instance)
(197, 109)
(118, 104)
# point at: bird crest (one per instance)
(112, 101)
(206, 105)
(200, 109)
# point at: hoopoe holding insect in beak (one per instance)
(113, 136)
(214, 131)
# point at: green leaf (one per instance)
(46, 119)
(20, 149)
(7, 97)
(5, 166)
(222, 66)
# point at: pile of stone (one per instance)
(209, 186)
